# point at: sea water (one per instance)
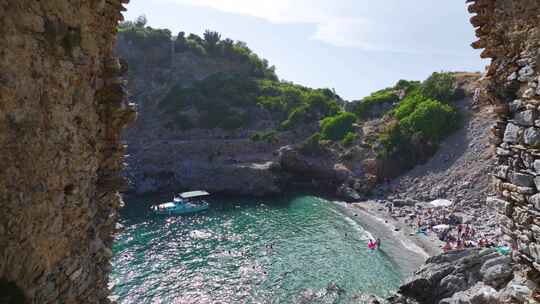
(300, 249)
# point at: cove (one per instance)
(298, 249)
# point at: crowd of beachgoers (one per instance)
(448, 226)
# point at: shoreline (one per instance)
(406, 249)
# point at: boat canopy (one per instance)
(193, 194)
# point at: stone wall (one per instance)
(62, 106)
(509, 33)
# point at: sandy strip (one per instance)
(405, 248)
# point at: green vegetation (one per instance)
(432, 119)
(211, 45)
(421, 121)
(268, 136)
(349, 139)
(144, 36)
(441, 86)
(366, 108)
(313, 106)
(223, 100)
(335, 128)
(383, 100)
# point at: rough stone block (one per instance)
(525, 118)
(537, 182)
(531, 137)
(535, 200)
(502, 171)
(511, 134)
(534, 250)
(521, 180)
(535, 230)
(502, 206)
(526, 74)
(536, 166)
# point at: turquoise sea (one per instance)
(299, 249)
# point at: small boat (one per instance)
(183, 203)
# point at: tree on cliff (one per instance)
(211, 40)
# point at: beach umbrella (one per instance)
(441, 203)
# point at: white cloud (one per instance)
(390, 25)
(277, 11)
(330, 25)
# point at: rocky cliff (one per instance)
(179, 143)
(62, 106)
(509, 33)
(212, 117)
(469, 276)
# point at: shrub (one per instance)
(211, 40)
(322, 104)
(439, 86)
(268, 136)
(196, 47)
(297, 116)
(349, 139)
(421, 123)
(407, 85)
(144, 37)
(391, 138)
(408, 105)
(336, 127)
(433, 119)
(256, 137)
(367, 106)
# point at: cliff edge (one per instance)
(62, 106)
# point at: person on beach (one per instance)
(447, 247)
(371, 245)
(378, 243)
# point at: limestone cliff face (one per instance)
(62, 106)
(165, 159)
(509, 32)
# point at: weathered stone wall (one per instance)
(62, 106)
(509, 33)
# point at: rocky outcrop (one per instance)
(235, 166)
(469, 276)
(509, 33)
(62, 106)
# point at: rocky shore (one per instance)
(474, 275)
(468, 276)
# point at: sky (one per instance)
(353, 46)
